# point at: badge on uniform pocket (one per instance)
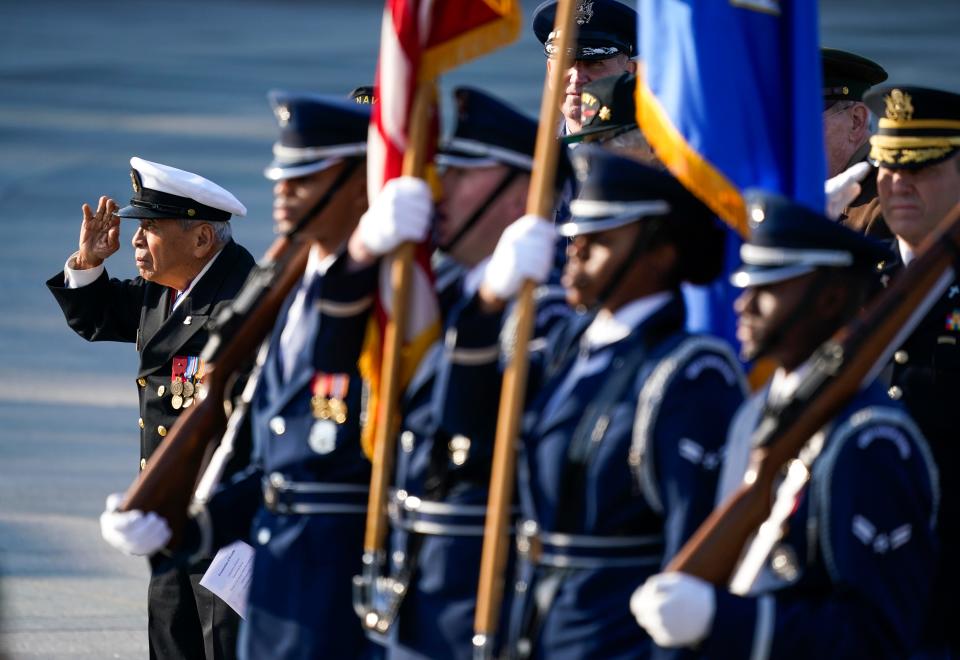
(323, 436)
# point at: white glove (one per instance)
(675, 608)
(844, 188)
(133, 532)
(401, 212)
(525, 251)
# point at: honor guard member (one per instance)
(606, 40)
(189, 268)
(846, 129)
(842, 567)
(443, 460)
(608, 113)
(916, 149)
(614, 471)
(302, 503)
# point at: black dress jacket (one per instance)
(139, 311)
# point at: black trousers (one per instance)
(186, 620)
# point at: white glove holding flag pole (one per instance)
(844, 188)
(133, 532)
(676, 609)
(525, 251)
(401, 212)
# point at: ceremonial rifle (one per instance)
(841, 366)
(540, 202)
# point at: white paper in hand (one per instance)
(230, 574)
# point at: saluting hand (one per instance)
(99, 234)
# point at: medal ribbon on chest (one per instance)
(329, 396)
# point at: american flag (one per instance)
(419, 40)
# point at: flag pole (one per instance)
(374, 543)
(540, 201)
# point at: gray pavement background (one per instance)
(85, 85)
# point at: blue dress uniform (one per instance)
(918, 129)
(304, 498)
(852, 573)
(443, 460)
(614, 471)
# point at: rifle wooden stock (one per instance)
(540, 201)
(843, 364)
(167, 483)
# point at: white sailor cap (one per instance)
(161, 191)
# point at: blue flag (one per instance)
(729, 95)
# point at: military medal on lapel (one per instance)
(323, 436)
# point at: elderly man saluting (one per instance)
(189, 267)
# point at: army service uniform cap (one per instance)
(917, 126)
(161, 191)
(788, 240)
(846, 76)
(316, 132)
(605, 28)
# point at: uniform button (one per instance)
(263, 536)
(278, 425)
(140, 422)
(162, 430)
(895, 393)
(161, 390)
(406, 441)
(142, 382)
(143, 463)
(901, 357)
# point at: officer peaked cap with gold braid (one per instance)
(918, 126)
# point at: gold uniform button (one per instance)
(143, 463)
(162, 430)
(142, 382)
(895, 393)
(161, 390)
(901, 357)
(140, 422)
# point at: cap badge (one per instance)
(135, 180)
(191, 212)
(584, 13)
(283, 115)
(899, 106)
(604, 113)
